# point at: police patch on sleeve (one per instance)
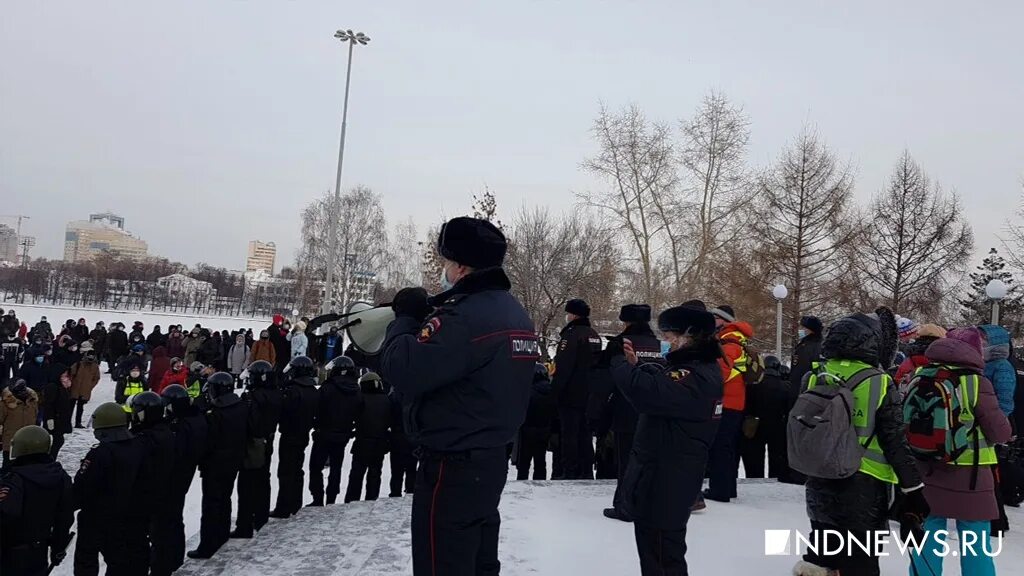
(429, 329)
(524, 346)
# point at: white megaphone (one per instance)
(366, 326)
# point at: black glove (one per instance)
(412, 302)
(614, 347)
(913, 510)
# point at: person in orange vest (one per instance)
(723, 462)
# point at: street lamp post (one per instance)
(779, 292)
(996, 290)
(352, 38)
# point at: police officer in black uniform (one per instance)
(403, 457)
(36, 507)
(464, 373)
(228, 421)
(647, 347)
(190, 431)
(335, 422)
(151, 429)
(263, 398)
(106, 495)
(679, 406)
(298, 413)
(577, 353)
(371, 439)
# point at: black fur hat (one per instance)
(639, 313)
(472, 242)
(856, 337)
(578, 307)
(684, 319)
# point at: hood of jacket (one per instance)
(229, 399)
(855, 337)
(41, 470)
(12, 401)
(950, 351)
(306, 381)
(345, 385)
(998, 347)
(159, 352)
(731, 330)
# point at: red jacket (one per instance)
(733, 336)
(909, 366)
(172, 377)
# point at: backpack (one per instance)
(821, 439)
(940, 422)
(753, 371)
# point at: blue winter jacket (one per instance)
(998, 368)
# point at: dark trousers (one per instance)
(662, 552)
(723, 459)
(162, 528)
(254, 495)
(368, 463)
(771, 434)
(5, 375)
(176, 517)
(533, 450)
(106, 537)
(858, 562)
(326, 453)
(577, 449)
(56, 443)
(623, 446)
(403, 469)
(24, 560)
(215, 524)
(79, 411)
(455, 521)
(290, 474)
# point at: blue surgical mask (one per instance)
(446, 284)
(665, 348)
(801, 333)
(39, 359)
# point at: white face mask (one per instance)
(801, 333)
(446, 284)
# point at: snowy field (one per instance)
(551, 528)
(56, 316)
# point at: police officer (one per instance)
(298, 413)
(647, 347)
(679, 407)
(150, 428)
(263, 398)
(577, 352)
(228, 421)
(36, 507)
(371, 445)
(464, 374)
(403, 458)
(335, 422)
(105, 491)
(190, 433)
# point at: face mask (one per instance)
(446, 284)
(73, 348)
(134, 374)
(665, 348)
(801, 333)
(39, 359)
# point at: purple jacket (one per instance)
(947, 487)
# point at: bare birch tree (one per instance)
(403, 263)
(917, 241)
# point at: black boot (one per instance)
(280, 514)
(317, 502)
(240, 533)
(198, 554)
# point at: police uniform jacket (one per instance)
(578, 350)
(36, 504)
(464, 374)
(299, 409)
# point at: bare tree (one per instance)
(1013, 239)
(916, 240)
(806, 197)
(403, 263)
(552, 259)
(637, 158)
(716, 190)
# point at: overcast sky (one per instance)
(208, 124)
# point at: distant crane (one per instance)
(25, 243)
(19, 217)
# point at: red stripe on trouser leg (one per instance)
(433, 507)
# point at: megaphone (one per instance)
(366, 326)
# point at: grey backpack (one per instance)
(821, 438)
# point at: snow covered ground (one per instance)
(56, 316)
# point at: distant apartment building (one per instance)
(84, 239)
(261, 257)
(8, 245)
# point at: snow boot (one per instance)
(699, 505)
(708, 495)
(614, 514)
(280, 514)
(239, 533)
(198, 554)
(316, 503)
(803, 568)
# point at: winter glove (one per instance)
(49, 424)
(913, 509)
(411, 302)
(57, 555)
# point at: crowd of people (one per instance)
(872, 411)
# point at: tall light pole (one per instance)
(995, 290)
(352, 38)
(779, 292)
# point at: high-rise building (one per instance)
(8, 245)
(104, 232)
(261, 257)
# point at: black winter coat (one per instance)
(769, 399)
(373, 424)
(282, 347)
(578, 350)
(159, 446)
(264, 411)
(299, 410)
(464, 374)
(209, 352)
(228, 431)
(11, 352)
(861, 501)
(80, 333)
(155, 339)
(56, 404)
(39, 505)
(107, 483)
(340, 403)
(190, 448)
(542, 408)
(117, 344)
(807, 352)
(99, 342)
(679, 406)
(648, 351)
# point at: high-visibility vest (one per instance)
(867, 398)
(194, 389)
(969, 384)
(131, 388)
